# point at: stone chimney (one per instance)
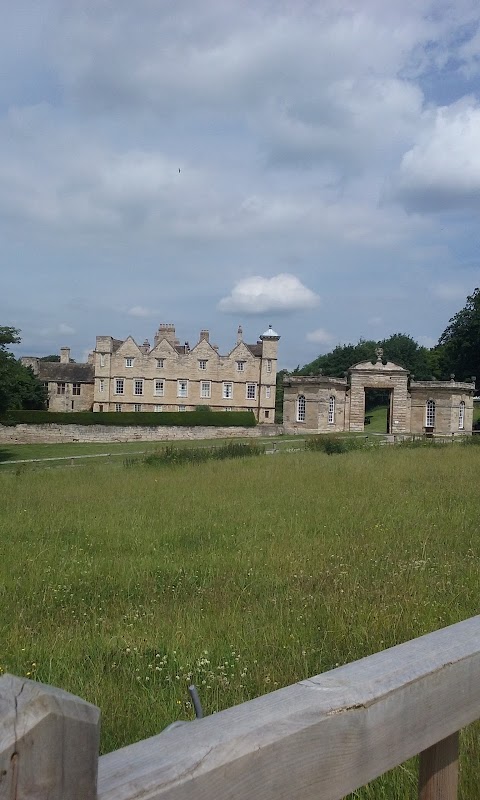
(239, 334)
(204, 335)
(165, 331)
(64, 355)
(145, 348)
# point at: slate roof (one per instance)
(255, 349)
(65, 373)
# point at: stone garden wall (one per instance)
(51, 434)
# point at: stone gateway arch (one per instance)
(322, 404)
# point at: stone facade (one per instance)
(123, 376)
(452, 410)
(69, 385)
(389, 377)
(174, 377)
(320, 404)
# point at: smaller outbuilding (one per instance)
(69, 385)
(321, 404)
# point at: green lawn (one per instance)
(378, 420)
(16, 452)
(125, 585)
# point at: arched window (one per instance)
(331, 410)
(461, 416)
(301, 407)
(430, 414)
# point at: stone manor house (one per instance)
(121, 375)
(320, 404)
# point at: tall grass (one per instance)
(123, 586)
(172, 455)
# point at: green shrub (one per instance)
(144, 419)
(330, 444)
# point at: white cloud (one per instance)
(426, 341)
(64, 328)
(320, 336)
(450, 291)
(442, 170)
(139, 311)
(287, 121)
(257, 295)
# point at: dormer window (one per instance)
(240, 366)
(129, 361)
(202, 364)
(160, 363)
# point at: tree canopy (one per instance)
(459, 344)
(399, 347)
(19, 388)
(54, 358)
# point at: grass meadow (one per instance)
(124, 585)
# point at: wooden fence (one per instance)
(316, 740)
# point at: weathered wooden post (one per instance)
(438, 777)
(48, 742)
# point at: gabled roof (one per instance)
(204, 343)
(160, 347)
(242, 349)
(129, 341)
(377, 366)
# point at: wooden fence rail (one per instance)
(318, 739)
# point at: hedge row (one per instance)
(224, 419)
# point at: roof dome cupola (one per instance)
(270, 334)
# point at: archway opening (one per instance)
(378, 410)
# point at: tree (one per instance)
(405, 351)
(399, 348)
(19, 388)
(337, 362)
(459, 344)
(8, 336)
(54, 358)
(279, 396)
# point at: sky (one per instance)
(310, 165)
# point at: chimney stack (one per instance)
(64, 355)
(204, 335)
(239, 334)
(165, 331)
